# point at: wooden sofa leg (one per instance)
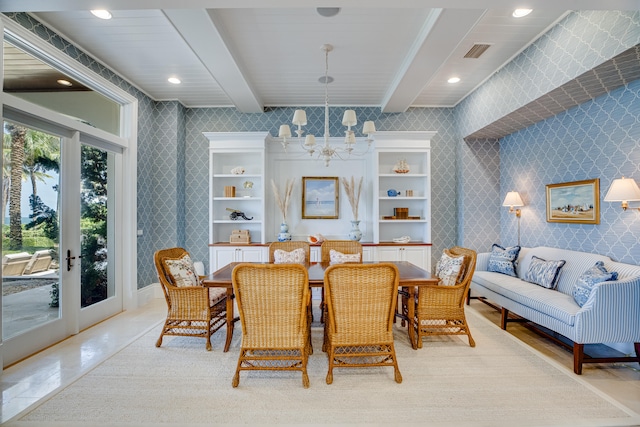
(578, 357)
(503, 320)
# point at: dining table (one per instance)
(410, 280)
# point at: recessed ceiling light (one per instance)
(453, 80)
(519, 13)
(101, 13)
(64, 82)
(174, 80)
(328, 12)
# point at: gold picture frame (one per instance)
(576, 202)
(320, 197)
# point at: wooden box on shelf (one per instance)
(240, 236)
(229, 191)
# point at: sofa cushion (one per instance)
(553, 303)
(502, 260)
(448, 268)
(577, 263)
(544, 273)
(585, 283)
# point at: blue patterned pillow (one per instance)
(544, 273)
(585, 283)
(503, 260)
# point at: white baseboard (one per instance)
(148, 293)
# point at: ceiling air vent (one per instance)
(477, 50)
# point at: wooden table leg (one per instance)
(230, 319)
(411, 314)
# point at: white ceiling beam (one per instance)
(442, 32)
(199, 31)
(61, 5)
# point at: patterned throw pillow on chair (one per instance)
(503, 260)
(544, 273)
(183, 272)
(296, 256)
(339, 258)
(585, 283)
(449, 269)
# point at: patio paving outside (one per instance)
(27, 309)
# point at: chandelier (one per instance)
(327, 151)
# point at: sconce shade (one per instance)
(369, 127)
(623, 189)
(284, 132)
(512, 199)
(299, 118)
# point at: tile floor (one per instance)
(25, 383)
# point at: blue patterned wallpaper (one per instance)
(443, 160)
(579, 42)
(598, 139)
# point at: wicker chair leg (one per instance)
(397, 375)
(472, 343)
(330, 370)
(236, 379)
(159, 342)
(305, 379)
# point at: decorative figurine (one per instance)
(238, 170)
(401, 167)
(393, 193)
(236, 214)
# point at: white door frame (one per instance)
(16, 108)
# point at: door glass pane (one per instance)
(30, 231)
(95, 283)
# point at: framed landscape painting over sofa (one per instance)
(576, 202)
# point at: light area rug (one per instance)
(500, 382)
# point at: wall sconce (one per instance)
(513, 200)
(622, 190)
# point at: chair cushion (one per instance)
(544, 273)
(585, 283)
(503, 260)
(216, 294)
(296, 256)
(182, 270)
(448, 269)
(339, 258)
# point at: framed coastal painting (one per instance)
(320, 197)
(575, 202)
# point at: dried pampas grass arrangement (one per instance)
(353, 194)
(283, 202)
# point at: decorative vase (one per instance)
(284, 234)
(355, 233)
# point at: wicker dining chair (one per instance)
(192, 310)
(348, 247)
(361, 302)
(439, 308)
(289, 246)
(273, 301)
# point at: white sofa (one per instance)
(610, 315)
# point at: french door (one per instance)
(60, 232)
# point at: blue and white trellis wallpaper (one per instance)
(598, 139)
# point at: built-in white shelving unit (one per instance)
(229, 150)
(415, 149)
